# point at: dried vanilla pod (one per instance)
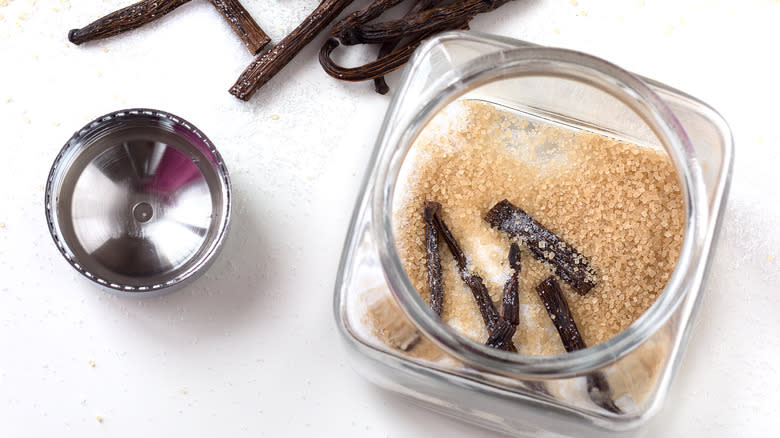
(441, 18)
(510, 309)
(388, 47)
(346, 25)
(247, 29)
(600, 392)
(372, 70)
(473, 281)
(129, 18)
(267, 65)
(500, 329)
(501, 338)
(558, 309)
(433, 258)
(399, 38)
(146, 11)
(383, 65)
(570, 265)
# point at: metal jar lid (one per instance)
(138, 201)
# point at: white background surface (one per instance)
(251, 348)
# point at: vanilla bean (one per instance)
(435, 19)
(547, 247)
(265, 66)
(374, 69)
(600, 392)
(501, 337)
(146, 11)
(510, 313)
(390, 57)
(247, 29)
(345, 26)
(380, 85)
(558, 309)
(473, 281)
(125, 19)
(424, 19)
(433, 259)
(371, 70)
(510, 307)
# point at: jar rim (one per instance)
(566, 64)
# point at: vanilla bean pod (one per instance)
(129, 18)
(500, 329)
(600, 392)
(501, 338)
(510, 316)
(371, 70)
(265, 66)
(146, 11)
(558, 309)
(510, 307)
(374, 69)
(346, 25)
(390, 57)
(435, 19)
(433, 258)
(247, 29)
(380, 85)
(473, 281)
(547, 247)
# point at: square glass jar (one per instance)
(519, 394)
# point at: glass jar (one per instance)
(520, 394)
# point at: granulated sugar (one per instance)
(617, 203)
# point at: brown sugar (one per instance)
(619, 204)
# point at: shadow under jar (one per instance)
(396, 341)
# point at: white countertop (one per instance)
(251, 349)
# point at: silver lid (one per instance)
(138, 200)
